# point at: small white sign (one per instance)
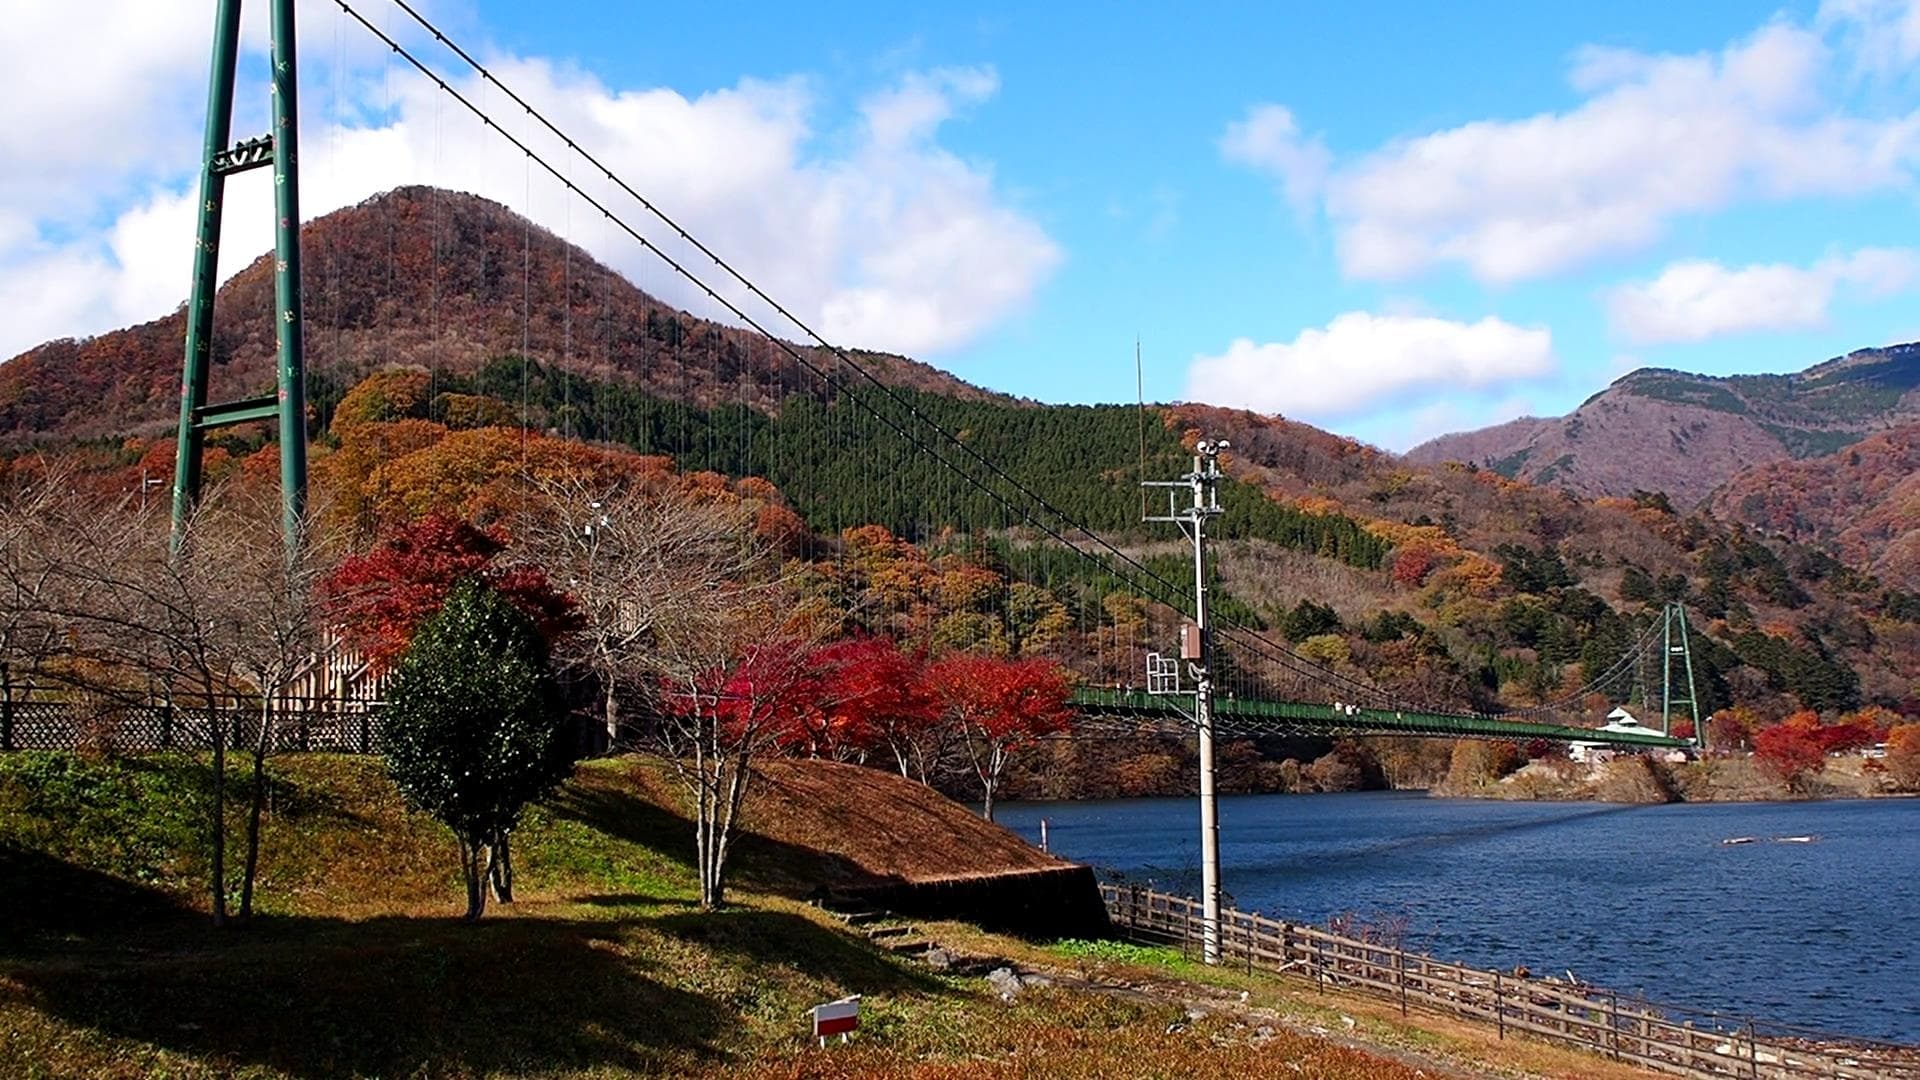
(836, 1018)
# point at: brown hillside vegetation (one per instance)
(1458, 532)
(417, 276)
(1864, 502)
(865, 826)
(1685, 434)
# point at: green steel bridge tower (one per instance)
(279, 148)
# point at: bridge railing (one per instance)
(1681, 1041)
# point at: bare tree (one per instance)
(689, 627)
(232, 616)
(263, 602)
(31, 554)
(634, 557)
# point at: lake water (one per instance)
(1641, 899)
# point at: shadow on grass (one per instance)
(756, 861)
(777, 938)
(48, 903)
(404, 996)
(389, 997)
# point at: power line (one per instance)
(1248, 637)
(1322, 673)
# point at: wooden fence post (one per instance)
(166, 725)
(6, 707)
(1499, 1007)
(1400, 969)
(366, 732)
(1613, 1022)
(1753, 1052)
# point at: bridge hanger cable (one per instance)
(1273, 651)
(1624, 665)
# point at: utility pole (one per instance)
(279, 148)
(1196, 650)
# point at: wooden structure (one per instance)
(1673, 1040)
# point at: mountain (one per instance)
(421, 276)
(1685, 435)
(1863, 502)
(1446, 583)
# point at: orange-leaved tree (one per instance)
(998, 706)
(1793, 750)
(379, 598)
(1903, 756)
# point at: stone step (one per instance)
(909, 947)
(876, 933)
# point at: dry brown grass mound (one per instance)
(824, 824)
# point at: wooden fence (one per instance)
(1664, 1038)
(74, 721)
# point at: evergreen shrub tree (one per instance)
(475, 728)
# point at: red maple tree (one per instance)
(377, 599)
(999, 706)
(872, 693)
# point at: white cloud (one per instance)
(1699, 299)
(1657, 137)
(1361, 359)
(1885, 34)
(1269, 139)
(877, 235)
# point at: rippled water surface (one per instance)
(1637, 898)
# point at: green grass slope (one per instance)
(603, 968)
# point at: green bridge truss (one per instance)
(1143, 713)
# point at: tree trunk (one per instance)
(500, 866)
(990, 779)
(471, 848)
(261, 747)
(218, 872)
(738, 776)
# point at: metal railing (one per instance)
(1685, 1042)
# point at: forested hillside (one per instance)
(417, 276)
(1450, 585)
(1862, 502)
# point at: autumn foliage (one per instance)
(378, 599)
(1795, 750)
(1903, 756)
(880, 698)
(1000, 706)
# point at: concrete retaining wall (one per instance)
(1051, 903)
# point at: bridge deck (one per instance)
(1248, 716)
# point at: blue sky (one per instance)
(1390, 220)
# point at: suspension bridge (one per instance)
(1229, 677)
